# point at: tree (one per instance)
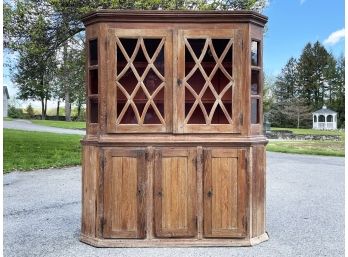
(315, 72)
(34, 71)
(296, 110)
(338, 91)
(30, 111)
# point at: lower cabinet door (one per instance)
(124, 193)
(175, 192)
(224, 188)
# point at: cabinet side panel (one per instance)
(258, 190)
(89, 189)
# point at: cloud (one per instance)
(302, 2)
(335, 37)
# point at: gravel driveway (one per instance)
(305, 213)
(29, 126)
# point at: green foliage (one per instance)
(30, 111)
(15, 113)
(24, 150)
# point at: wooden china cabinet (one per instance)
(174, 153)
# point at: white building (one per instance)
(5, 98)
(324, 119)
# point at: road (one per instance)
(305, 213)
(29, 126)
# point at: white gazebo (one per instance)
(324, 119)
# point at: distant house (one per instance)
(324, 119)
(5, 98)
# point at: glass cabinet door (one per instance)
(208, 89)
(139, 73)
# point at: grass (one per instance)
(328, 148)
(24, 150)
(7, 119)
(61, 124)
(312, 131)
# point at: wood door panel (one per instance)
(125, 178)
(174, 193)
(208, 92)
(224, 193)
(140, 81)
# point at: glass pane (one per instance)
(142, 84)
(254, 53)
(93, 52)
(93, 81)
(219, 79)
(255, 82)
(93, 111)
(255, 119)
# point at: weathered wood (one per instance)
(125, 177)
(224, 193)
(175, 192)
(156, 172)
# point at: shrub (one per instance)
(16, 113)
(30, 111)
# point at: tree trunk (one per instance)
(78, 109)
(43, 114)
(67, 105)
(66, 86)
(45, 109)
(57, 115)
(298, 120)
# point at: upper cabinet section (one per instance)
(174, 72)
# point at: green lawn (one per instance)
(7, 119)
(24, 150)
(329, 148)
(61, 124)
(312, 131)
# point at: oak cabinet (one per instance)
(174, 153)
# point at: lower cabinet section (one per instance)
(181, 194)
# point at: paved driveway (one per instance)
(29, 126)
(305, 213)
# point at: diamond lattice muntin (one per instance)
(140, 80)
(208, 81)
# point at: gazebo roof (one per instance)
(324, 110)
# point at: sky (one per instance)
(294, 23)
(291, 25)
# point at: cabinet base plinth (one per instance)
(123, 243)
